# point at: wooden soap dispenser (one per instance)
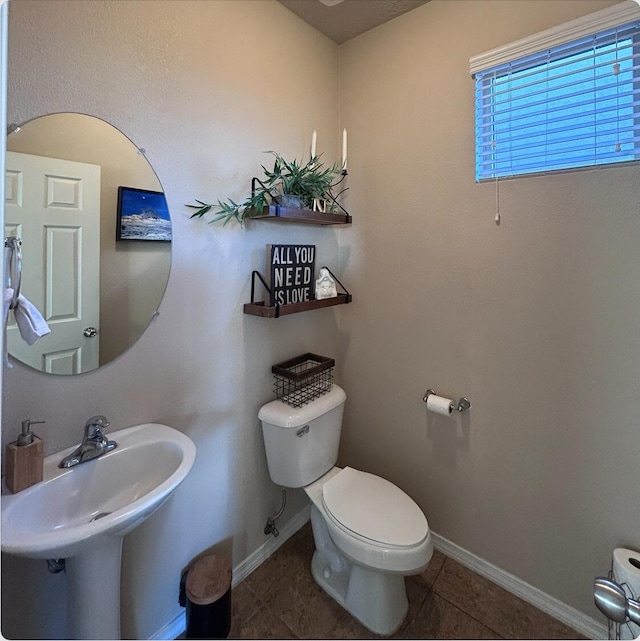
(24, 459)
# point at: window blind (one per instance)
(575, 104)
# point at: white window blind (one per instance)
(571, 105)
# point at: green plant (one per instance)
(308, 181)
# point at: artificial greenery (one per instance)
(308, 181)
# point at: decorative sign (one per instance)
(291, 273)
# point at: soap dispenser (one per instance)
(24, 459)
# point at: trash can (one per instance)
(208, 598)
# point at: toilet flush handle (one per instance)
(302, 431)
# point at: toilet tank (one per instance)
(302, 443)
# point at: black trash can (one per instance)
(208, 598)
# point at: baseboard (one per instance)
(177, 626)
(552, 606)
(257, 558)
(172, 630)
(541, 600)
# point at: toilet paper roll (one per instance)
(626, 572)
(439, 404)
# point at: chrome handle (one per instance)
(613, 602)
(90, 332)
(94, 426)
(302, 431)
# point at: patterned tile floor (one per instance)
(280, 600)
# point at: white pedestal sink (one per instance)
(82, 513)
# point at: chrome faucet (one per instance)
(94, 443)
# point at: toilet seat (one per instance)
(374, 510)
(367, 552)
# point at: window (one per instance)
(571, 105)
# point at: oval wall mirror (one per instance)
(95, 231)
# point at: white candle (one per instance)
(314, 141)
(344, 150)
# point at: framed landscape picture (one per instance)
(142, 215)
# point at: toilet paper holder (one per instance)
(613, 602)
(463, 402)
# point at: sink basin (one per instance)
(81, 514)
(110, 495)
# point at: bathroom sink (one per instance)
(63, 515)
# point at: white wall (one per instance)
(4, 19)
(205, 88)
(536, 321)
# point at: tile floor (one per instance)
(280, 600)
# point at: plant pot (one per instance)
(289, 201)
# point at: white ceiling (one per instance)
(350, 18)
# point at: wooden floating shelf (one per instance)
(260, 309)
(284, 214)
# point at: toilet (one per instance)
(368, 533)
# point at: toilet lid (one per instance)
(374, 508)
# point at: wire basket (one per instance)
(303, 378)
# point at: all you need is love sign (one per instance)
(291, 273)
